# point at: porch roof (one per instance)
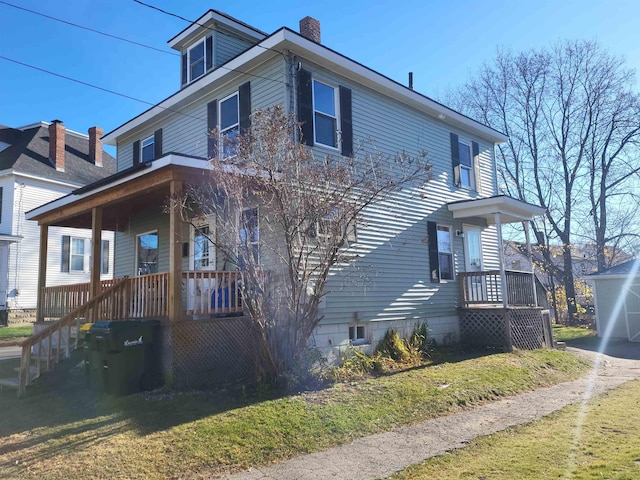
(120, 195)
(510, 209)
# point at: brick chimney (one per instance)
(95, 145)
(310, 29)
(56, 144)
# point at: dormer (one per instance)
(211, 41)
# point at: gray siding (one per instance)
(187, 133)
(391, 278)
(226, 45)
(607, 294)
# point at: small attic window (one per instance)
(4, 146)
(196, 60)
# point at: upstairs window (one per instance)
(148, 147)
(196, 61)
(466, 165)
(324, 114)
(229, 122)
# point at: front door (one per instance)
(476, 286)
(632, 307)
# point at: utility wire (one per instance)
(87, 84)
(171, 14)
(89, 29)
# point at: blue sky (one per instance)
(442, 42)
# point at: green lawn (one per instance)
(71, 432)
(14, 335)
(567, 334)
(602, 443)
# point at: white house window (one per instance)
(104, 257)
(325, 118)
(147, 253)
(229, 122)
(445, 253)
(249, 235)
(196, 60)
(466, 164)
(357, 335)
(77, 254)
(147, 149)
(203, 250)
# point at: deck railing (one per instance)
(211, 292)
(485, 288)
(57, 301)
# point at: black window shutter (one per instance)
(244, 106)
(434, 262)
(1, 192)
(212, 123)
(346, 126)
(66, 250)
(184, 69)
(475, 150)
(136, 153)
(305, 106)
(455, 159)
(208, 43)
(157, 143)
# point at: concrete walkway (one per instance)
(379, 456)
(10, 352)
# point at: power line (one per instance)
(87, 84)
(171, 14)
(89, 29)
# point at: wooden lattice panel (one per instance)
(527, 332)
(483, 327)
(209, 352)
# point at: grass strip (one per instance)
(599, 441)
(70, 434)
(562, 333)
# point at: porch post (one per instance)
(175, 257)
(503, 274)
(533, 268)
(42, 271)
(96, 250)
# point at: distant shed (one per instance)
(617, 301)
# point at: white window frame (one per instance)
(210, 223)
(204, 59)
(354, 334)
(462, 143)
(85, 255)
(136, 259)
(222, 134)
(439, 228)
(254, 243)
(105, 261)
(336, 108)
(148, 142)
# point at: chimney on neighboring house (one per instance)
(56, 144)
(95, 145)
(310, 29)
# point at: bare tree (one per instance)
(572, 123)
(287, 220)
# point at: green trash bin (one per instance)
(122, 357)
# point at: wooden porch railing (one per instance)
(59, 300)
(485, 288)
(211, 292)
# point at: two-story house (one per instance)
(40, 163)
(429, 260)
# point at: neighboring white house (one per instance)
(38, 164)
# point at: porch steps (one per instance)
(12, 382)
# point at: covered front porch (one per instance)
(502, 308)
(157, 275)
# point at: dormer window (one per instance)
(197, 60)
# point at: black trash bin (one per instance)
(122, 357)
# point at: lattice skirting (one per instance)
(215, 351)
(521, 328)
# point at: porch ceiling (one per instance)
(121, 198)
(510, 209)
